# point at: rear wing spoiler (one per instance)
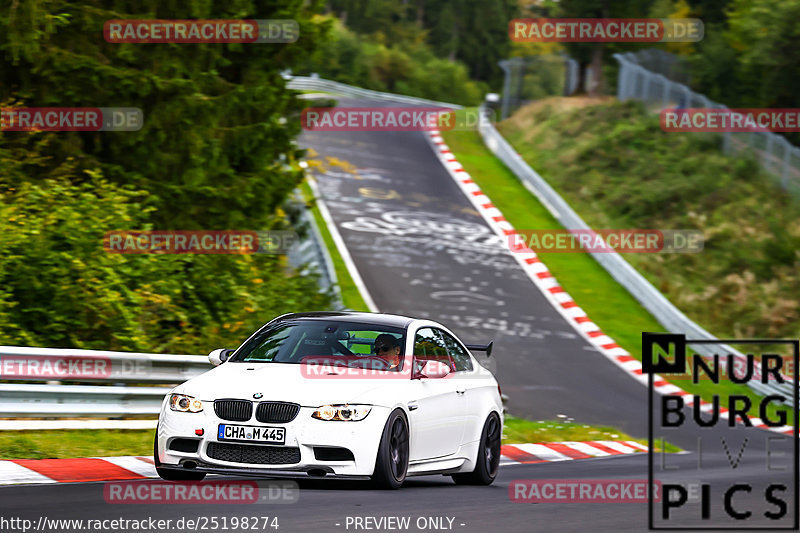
(482, 348)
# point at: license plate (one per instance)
(265, 434)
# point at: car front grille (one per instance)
(276, 412)
(261, 455)
(234, 410)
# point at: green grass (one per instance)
(615, 165)
(606, 302)
(351, 296)
(58, 444)
(518, 430)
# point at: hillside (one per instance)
(615, 166)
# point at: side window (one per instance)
(429, 344)
(460, 356)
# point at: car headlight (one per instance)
(185, 404)
(344, 413)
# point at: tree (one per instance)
(472, 32)
(219, 122)
(598, 54)
(766, 33)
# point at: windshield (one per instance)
(320, 342)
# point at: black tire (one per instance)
(488, 461)
(391, 463)
(168, 474)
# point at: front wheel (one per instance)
(391, 464)
(488, 460)
(173, 475)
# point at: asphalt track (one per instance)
(423, 251)
(325, 503)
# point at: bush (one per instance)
(60, 288)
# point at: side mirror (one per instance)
(219, 356)
(432, 370)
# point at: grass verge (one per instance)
(58, 444)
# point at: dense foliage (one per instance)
(404, 68)
(214, 153)
(751, 59)
(473, 32)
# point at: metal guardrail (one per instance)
(76, 401)
(105, 370)
(656, 303)
(311, 252)
(311, 83)
(19, 364)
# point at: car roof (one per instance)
(382, 319)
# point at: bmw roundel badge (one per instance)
(258, 396)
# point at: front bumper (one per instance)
(313, 472)
(304, 433)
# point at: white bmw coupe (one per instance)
(337, 394)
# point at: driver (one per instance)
(386, 347)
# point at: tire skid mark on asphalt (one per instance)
(81, 470)
(561, 301)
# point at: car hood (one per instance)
(287, 383)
